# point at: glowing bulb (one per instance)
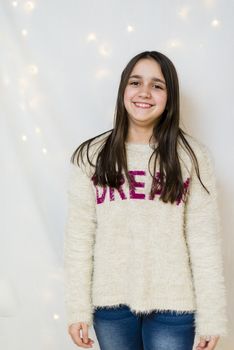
(175, 43)
(29, 6)
(91, 37)
(37, 130)
(44, 150)
(14, 3)
(215, 23)
(24, 138)
(24, 32)
(56, 317)
(33, 69)
(130, 28)
(183, 13)
(102, 73)
(104, 50)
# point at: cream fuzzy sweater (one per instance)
(124, 247)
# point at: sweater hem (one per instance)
(146, 308)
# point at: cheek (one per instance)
(161, 99)
(129, 94)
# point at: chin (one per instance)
(142, 120)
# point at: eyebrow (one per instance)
(154, 79)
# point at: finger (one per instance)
(76, 338)
(212, 344)
(85, 338)
(202, 343)
(85, 335)
(79, 342)
(75, 335)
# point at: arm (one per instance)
(78, 247)
(202, 230)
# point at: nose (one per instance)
(144, 92)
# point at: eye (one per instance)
(134, 82)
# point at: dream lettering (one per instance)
(102, 196)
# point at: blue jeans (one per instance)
(117, 328)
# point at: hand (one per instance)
(207, 345)
(74, 331)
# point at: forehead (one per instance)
(148, 68)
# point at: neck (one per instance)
(143, 138)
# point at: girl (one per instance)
(142, 248)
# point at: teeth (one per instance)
(143, 105)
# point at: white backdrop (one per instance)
(60, 68)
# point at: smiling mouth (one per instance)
(142, 105)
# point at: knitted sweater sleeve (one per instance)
(203, 235)
(78, 247)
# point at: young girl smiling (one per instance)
(142, 249)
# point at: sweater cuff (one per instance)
(81, 316)
(206, 327)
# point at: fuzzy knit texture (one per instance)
(125, 247)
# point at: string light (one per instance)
(91, 37)
(44, 150)
(183, 13)
(130, 28)
(215, 23)
(175, 43)
(37, 130)
(56, 317)
(14, 3)
(24, 138)
(33, 69)
(29, 6)
(24, 32)
(104, 50)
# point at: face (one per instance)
(145, 95)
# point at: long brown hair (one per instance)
(166, 131)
